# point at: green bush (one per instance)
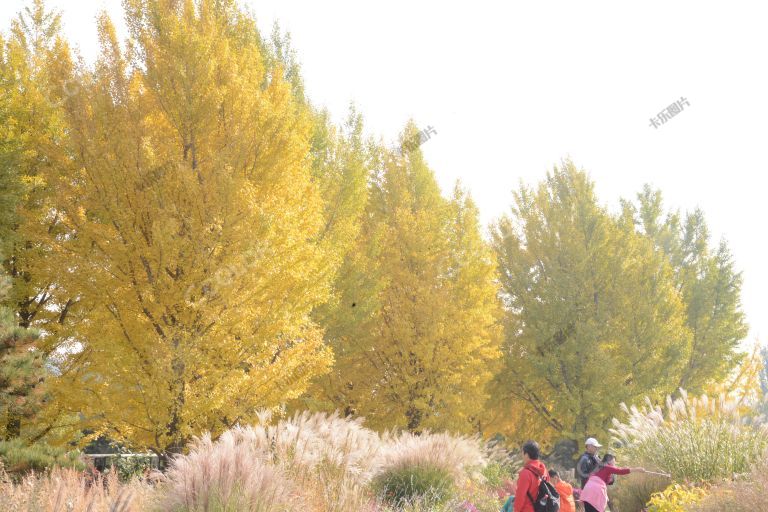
(496, 473)
(409, 484)
(19, 458)
(128, 468)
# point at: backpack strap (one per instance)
(533, 502)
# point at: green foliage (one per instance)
(19, 458)
(592, 314)
(708, 283)
(496, 473)
(410, 484)
(128, 468)
(675, 498)
(21, 373)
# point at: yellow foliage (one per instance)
(418, 339)
(187, 251)
(675, 498)
(743, 385)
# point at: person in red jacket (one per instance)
(595, 493)
(529, 478)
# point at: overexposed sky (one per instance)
(513, 87)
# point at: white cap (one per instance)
(593, 442)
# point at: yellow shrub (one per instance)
(675, 497)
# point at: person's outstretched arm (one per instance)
(623, 471)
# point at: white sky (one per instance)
(512, 89)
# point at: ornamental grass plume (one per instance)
(68, 490)
(426, 468)
(316, 444)
(311, 461)
(230, 474)
(316, 459)
(336, 457)
(459, 456)
(698, 439)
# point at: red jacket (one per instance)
(605, 473)
(528, 484)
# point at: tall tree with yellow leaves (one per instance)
(33, 60)
(417, 339)
(190, 231)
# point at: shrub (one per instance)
(695, 439)
(496, 475)
(501, 468)
(632, 492)
(427, 466)
(128, 468)
(675, 498)
(409, 484)
(19, 458)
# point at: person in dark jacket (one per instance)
(528, 480)
(588, 462)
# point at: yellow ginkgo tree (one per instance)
(417, 333)
(189, 231)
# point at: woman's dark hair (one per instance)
(531, 448)
(608, 458)
(553, 473)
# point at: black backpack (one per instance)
(548, 499)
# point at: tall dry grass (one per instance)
(747, 493)
(311, 461)
(427, 468)
(632, 492)
(68, 490)
(459, 456)
(232, 473)
(335, 457)
(314, 462)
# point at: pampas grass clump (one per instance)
(311, 461)
(457, 455)
(694, 439)
(232, 473)
(67, 490)
(319, 460)
(426, 467)
(332, 458)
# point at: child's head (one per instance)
(554, 475)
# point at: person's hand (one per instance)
(638, 470)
